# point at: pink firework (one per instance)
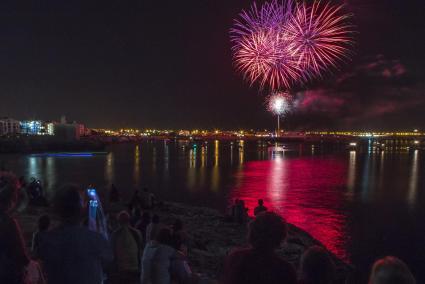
(320, 34)
(263, 57)
(260, 52)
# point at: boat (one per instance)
(69, 154)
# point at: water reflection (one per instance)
(351, 180)
(33, 166)
(50, 181)
(241, 148)
(317, 192)
(277, 181)
(413, 180)
(191, 171)
(109, 169)
(136, 172)
(215, 176)
(301, 190)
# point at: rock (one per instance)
(212, 238)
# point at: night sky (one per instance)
(167, 64)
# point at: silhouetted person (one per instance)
(136, 217)
(143, 224)
(180, 237)
(114, 194)
(135, 201)
(43, 226)
(157, 258)
(72, 253)
(13, 255)
(260, 208)
(147, 199)
(317, 267)
(259, 262)
(153, 228)
(127, 246)
(391, 270)
(23, 198)
(36, 193)
(240, 212)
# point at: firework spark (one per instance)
(320, 34)
(260, 52)
(281, 43)
(279, 103)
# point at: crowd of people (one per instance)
(141, 249)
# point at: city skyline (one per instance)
(145, 65)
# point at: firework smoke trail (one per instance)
(260, 52)
(321, 35)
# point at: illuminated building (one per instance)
(50, 128)
(32, 127)
(9, 126)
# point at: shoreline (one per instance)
(213, 238)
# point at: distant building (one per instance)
(32, 127)
(50, 126)
(81, 129)
(9, 126)
(66, 132)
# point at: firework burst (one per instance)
(259, 51)
(282, 43)
(279, 103)
(320, 34)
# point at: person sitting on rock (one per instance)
(135, 217)
(240, 212)
(391, 270)
(147, 199)
(180, 236)
(259, 263)
(153, 228)
(135, 201)
(142, 226)
(114, 194)
(43, 226)
(36, 193)
(260, 208)
(317, 267)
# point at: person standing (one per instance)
(391, 270)
(157, 259)
(127, 246)
(259, 263)
(13, 255)
(71, 253)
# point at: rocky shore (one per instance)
(212, 237)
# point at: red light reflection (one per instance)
(307, 192)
